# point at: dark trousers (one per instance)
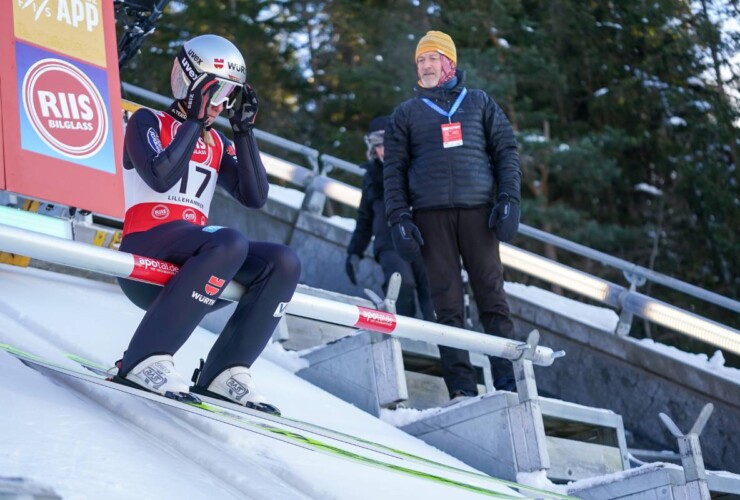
(414, 283)
(269, 271)
(450, 234)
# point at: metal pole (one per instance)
(609, 260)
(126, 265)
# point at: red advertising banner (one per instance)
(2, 151)
(62, 131)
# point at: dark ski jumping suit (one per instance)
(170, 175)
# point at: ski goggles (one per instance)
(374, 139)
(225, 93)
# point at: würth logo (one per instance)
(214, 285)
(218, 63)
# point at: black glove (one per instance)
(504, 218)
(407, 239)
(352, 267)
(243, 114)
(199, 97)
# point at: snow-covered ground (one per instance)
(90, 442)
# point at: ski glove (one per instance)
(199, 96)
(243, 114)
(504, 218)
(407, 239)
(352, 267)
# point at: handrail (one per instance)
(125, 265)
(617, 296)
(629, 267)
(328, 163)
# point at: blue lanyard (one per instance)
(454, 107)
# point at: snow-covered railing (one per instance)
(630, 269)
(125, 265)
(628, 301)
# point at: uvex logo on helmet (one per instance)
(65, 108)
(195, 57)
(188, 68)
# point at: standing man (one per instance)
(452, 190)
(172, 161)
(371, 221)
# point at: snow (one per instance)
(534, 138)
(538, 479)
(701, 105)
(601, 91)
(608, 24)
(677, 121)
(343, 222)
(86, 441)
(714, 365)
(288, 196)
(91, 442)
(597, 317)
(649, 189)
(406, 416)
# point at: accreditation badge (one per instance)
(452, 135)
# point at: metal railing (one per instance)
(629, 268)
(62, 251)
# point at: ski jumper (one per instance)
(171, 169)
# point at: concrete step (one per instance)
(581, 442)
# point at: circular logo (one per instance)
(189, 215)
(65, 108)
(160, 212)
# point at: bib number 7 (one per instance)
(184, 181)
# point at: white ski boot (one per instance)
(158, 374)
(235, 384)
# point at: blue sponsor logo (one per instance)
(152, 138)
(280, 310)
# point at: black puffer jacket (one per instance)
(371, 218)
(420, 173)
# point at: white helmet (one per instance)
(209, 54)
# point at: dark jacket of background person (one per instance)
(461, 177)
(371, 218)
(371, 221)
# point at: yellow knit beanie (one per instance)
(437, 41)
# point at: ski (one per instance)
(295, 432)
(326, 433)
